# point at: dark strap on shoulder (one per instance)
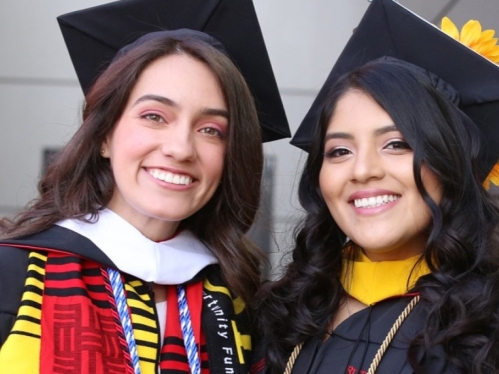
(58, 238)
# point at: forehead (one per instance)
(357, 111)
(181, 77)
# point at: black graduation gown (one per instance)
(353, 345)
(13, 272)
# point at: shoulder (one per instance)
(61, 239)
(13, 268)
(11, 254)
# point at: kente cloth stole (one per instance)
(68, 321)
(20, 352)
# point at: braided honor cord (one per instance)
(119, 296)
(292, 358)
(187, 332)
(389, 337)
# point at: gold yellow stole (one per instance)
(371, 282)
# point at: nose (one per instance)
(367, 165)
(178, 142)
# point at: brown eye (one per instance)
(336, 152)
(153, 117)
(398, 144)
(212, 131)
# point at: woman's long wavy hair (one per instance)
(460, 294)
(80, 182)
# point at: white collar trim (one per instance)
(173, 261)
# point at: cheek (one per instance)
(331, 193)
(214, 161)
(131, 145)
(323, 182)
(329, 186)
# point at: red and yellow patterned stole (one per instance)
(67, 323)
(75, 329)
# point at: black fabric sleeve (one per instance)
(13, 270)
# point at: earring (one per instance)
(102, 151)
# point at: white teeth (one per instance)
(170, 177)
(373, 202)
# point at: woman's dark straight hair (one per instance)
(80, 182)
(460, 294)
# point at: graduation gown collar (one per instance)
(173, 261)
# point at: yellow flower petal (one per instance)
(449, 28)
(486, 46)
(484, 37)
(487, 34)
(470, 32)
(493, 177)
(482, 42)
(494, 58)
(492, 54)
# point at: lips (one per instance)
(374, 201)
(169, 177)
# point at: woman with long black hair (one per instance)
(395, 268)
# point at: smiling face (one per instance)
(167, 150)
(367, 181)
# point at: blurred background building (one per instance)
(40, 99)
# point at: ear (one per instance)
(104, 150)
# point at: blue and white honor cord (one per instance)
(119, 296)
(185, 324)
(188, 332)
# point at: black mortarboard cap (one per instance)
(389, 29)
(93, 36)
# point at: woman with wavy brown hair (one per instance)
(134, 258)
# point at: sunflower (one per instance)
(493, 177)
(482, 42)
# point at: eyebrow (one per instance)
(166, 101)
(348, 136)
(160, 99)
(215, 112)
(385, 129)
